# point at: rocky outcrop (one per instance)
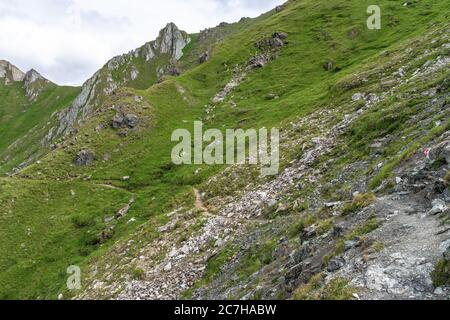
(10, 73)
(172, 41)
(34, 83)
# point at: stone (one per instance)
(123, 133)
(84, 158)
(168, 267)
(118, 121)
(60, 296)
(276, 43)
(338, 231)
(258, 61)
(398, 180)
(219, 243)
(131, 120)
(332, 204)
(301, 254)
(439, 206)
(204, 57)
(280, 35)
(357, 96)
(328, 66)
(335, 264)
(350, 244)
(439, 291)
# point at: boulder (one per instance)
(118, 121)
(84, 158)
(439, 206)
(335, 264)
(131, 120)
(204, 57)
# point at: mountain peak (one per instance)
(171, 40)
(32, 76)
(10, 72)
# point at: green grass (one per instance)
(318, 32)
(18, 116)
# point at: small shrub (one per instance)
(338, 289)
(360, 201)
(300, 225)
(324, 226)
(378, 246)
(441, 273)
(447, 179)
(310, 290)
(138, 274)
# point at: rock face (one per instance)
(33, 81)
(10, 73)
(172, 41)
(168, 46)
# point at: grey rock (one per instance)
(84, 158)
(118, 121)
(123, 133)
(173, 71)
(168, 267)
(258, 61)
(328, 66)
(276, 43)
(357, 96)
(131, 120)
(301, 254)
(350, 244)
(335, 264)
(280, 8)
(280, 35)
(439, 206)
(204, 57)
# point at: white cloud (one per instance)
(68, 40)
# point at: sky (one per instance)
(68, 40)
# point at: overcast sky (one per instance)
(68, 40)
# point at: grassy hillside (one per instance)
(19, 115)
(46, 228)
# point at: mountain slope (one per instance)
(28, 101)
(347, 127)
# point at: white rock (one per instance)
(168, 267)
(357, 96)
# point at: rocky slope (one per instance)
(359, 209)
